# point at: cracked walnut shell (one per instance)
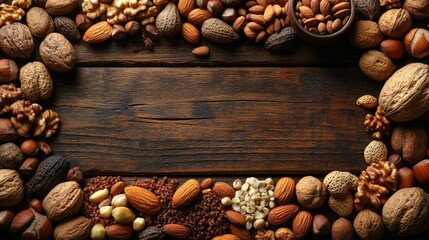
(36, 81)
(374, 185)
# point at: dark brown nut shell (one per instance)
(57, 53)
(11, 156)
(285, 40)
(50, 172)
(368, 9)
(16, 40)
(406, 212)
(67, 27)
(39, 22)
(11, 188)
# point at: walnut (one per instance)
(57, 53)
(374, 185)
(148, 16)
(94, 8)
(378, 124)
(395, 23)
(126, 10)
(265, 235)
(16, 40)
(22, 3)
(10, 14)
(24, 114)
(390, 4)
(9, 93)
(47, 124)
(160, 3)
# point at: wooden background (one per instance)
(242, 111)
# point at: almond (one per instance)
(284, 190)
(186, 194)
(324, 7)
(198, 16)
(301, 224)
(235, 218)
(119, 232)
(239, 24)
(206, 183)
(143, 200)
(185, 6)
(176, 231)
(223, 189)
(190, 33)
(98, 32)
(306, 12)
(202, 51)
(269, 13)
(117, 188)
(282, 214)
(226, 237)
(241, 233)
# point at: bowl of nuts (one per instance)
(321, 22)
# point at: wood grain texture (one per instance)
(190, 121)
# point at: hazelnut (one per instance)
(7, 132)
(417, 42)
(342, 229)
(215, 7)
(421, 172)
(36, 205)
(118, 32)
(229, 15)
(284, 234)
(396, 160)
(21, 221)
(133, 28)
(6, 217)
(75, 174)
(321, 225)
(375, 65)
(405, 178)
(202, 3)
(418, 9)
(29, 166)
(83, 22)
(29, 147)
(395, 23)
(394, 49)
(8, 71)
(44, 146)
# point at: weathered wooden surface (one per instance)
(198, 121)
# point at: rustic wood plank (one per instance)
(212, 120)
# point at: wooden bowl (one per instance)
(317, 39)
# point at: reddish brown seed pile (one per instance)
(205, 217)
(91, 210)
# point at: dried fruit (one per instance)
(57, 53)
(218, 31)
(186, 194)
(143, 200)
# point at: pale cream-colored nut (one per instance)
(375, 151)
(375, 65)
(77, 228)
(123, 215)
(259, 224)
(36, 82)
(57, 53)
(340, 183)
(311, 192)
(367, 101)
(395, 23)
(11, 188)
(106, 211)
(63, 201)
(237, 184)
(342, 205)
(119, 200)
(139, 224)
(98, 232)
(60, 7)
(226, 201)
(39, 22)
(99, 196)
